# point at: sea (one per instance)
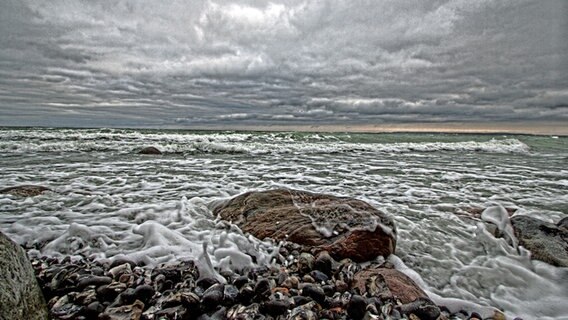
(108, 201)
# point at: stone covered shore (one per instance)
(310, 287)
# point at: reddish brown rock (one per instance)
(387, 283)
(345, 227)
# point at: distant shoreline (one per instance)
(551, 128)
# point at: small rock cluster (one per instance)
(307, 287)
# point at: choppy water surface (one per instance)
(110, 201)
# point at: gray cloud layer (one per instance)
(142, 62)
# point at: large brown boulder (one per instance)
(345, 227)
(387, 284)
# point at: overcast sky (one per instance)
(187, 63)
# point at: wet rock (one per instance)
(240, 312)
(205, 283)
(563, 224)
(93, 310)
(341, 286)
(213, 297)
(304, 312)
(301, 300)
(356, 229)
(177, 312)
(127, 296)
(144, 292)
(387, 284)
(546, 242)
(357, 307)
(240, 281)
(424, 308)
(308, 279)
(25, 190)
(324, 263)
(262, 289)
(246, 293)
(305, 262)
(120, 261)
(110, 292)
(119, 270)
(20, 294)
(128, 312)
(230, 295)
(319, 276)
(291, 282)
(315, 292)
(150, 150)
(93, 281)
(275, 307)
(85, 297)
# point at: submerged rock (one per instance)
(150, 150)
(387, 284)
(546, 241)
(25, 190)
(345, 227)
(20, 294)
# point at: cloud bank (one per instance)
(188, 63)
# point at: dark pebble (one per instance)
(230, 295)
(106, 293)
(246, 293)
(424, 308)
(127, 296)
(93, 310)
(262, 289)
(324, 263)
(205, 283)
(213, 297)
(319, 276)
(177, 312)
(93, 281)
(121, 261)
(329, 290)
(315, 292)
(282, 276)
(300, 300)
(144, 293)
(241, 281)
(150, 150)
(97, 271)
(275, 307)
(356, 307)
(305, 262)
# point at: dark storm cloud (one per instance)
(136, 63)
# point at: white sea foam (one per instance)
(131, 142)
(114, 203)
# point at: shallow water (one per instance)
(110, 201)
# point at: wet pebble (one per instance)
(357, 307)
(144, 292)
(262, 289)
(315, 292)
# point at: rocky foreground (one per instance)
(331, 266)
(311, 287)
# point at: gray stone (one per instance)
(546, 241)
(150, 150)
(20, 294)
